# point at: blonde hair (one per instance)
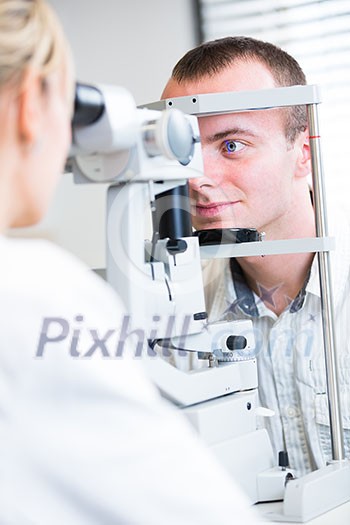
(30, 35)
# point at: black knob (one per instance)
(175, 246)
(236, 342)
(200, 316)
(283, 460)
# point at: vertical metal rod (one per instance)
(334, 407)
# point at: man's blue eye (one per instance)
(231, 146)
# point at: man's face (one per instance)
(249, 166)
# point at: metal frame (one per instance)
(237, 101)
(241, 101)
(261, 248)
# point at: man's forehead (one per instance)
(239, 76)
(249, 124)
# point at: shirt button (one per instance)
(291, 412)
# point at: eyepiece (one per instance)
(89, 105)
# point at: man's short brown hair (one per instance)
(212, 57)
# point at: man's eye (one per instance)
(231, 146)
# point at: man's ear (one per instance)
(302, 144)
(30, 109)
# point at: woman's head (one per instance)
(30, 35)
(36, 91)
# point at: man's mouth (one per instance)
(212, 209)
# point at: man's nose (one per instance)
(201, 182)
(212, 173)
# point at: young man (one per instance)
(255, 176)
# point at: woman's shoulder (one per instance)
(41, 268)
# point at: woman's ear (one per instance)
(302, 144)
(30, 109)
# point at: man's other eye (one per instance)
(232, 146)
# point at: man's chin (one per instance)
(211, 225)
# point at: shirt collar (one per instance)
(245, 299)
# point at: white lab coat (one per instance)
(88, 440)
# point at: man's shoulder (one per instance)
(339, 229)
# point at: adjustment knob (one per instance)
(236, 342)
(283, 460)
(175, 246)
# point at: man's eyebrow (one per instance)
(227, 133)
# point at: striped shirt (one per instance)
(290, 356)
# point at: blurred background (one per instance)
(135, 43)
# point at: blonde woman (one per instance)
(82, 440)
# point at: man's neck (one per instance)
(277, 279)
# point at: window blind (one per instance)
(317, 34)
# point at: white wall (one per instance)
(133, 43)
